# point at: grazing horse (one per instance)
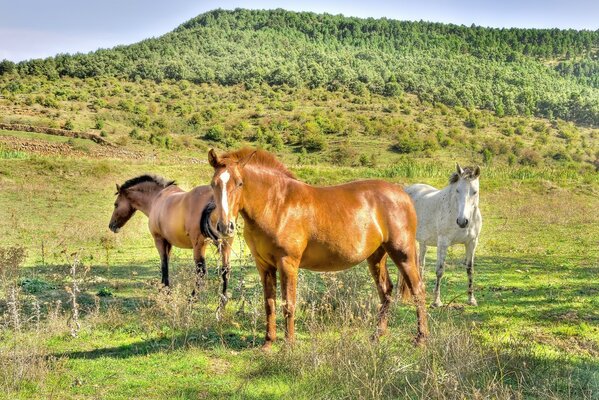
(446, 217)
(175, 218)
(290, 225)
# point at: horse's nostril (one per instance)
(231, 226)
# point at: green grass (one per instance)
(534, 334)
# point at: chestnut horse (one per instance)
(291, 225)
(175, 218)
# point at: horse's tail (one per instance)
(205, 226)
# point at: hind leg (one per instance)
(378, 270)
(441, 254)
(403, 255)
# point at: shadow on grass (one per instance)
(206, 340)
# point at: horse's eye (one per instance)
(475, 192)
(239, 184)
(115, 206)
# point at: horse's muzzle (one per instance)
(114, 228)
(225, 229)
(462, 223)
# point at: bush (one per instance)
(530, 157)
(344, 155)
(487, 156)
(68, 125)
(215, 133)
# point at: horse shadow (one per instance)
(205, 340)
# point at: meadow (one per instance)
(83, 315)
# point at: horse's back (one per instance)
(371, 212)
(178, 213)
(420, 190)
(425, 199)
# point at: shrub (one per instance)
(344, 155)
(68, 125)
(215, 133)
(530, 157)
(134, 134)
(487, 156)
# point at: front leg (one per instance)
(268, 276)
(441, 254)
(288, 268)
(199, 258)
(226, 271)
(470, 248)
(422, 258)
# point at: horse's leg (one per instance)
(199, 257)
(164, 249)
(268, 276)
(226, 271)
(378, 270)
(288, 269)
(441, 254)
(470, 248)
(421, 258)
(403, 255)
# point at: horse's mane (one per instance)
(160, 181)
(258, 157)
(469, 173)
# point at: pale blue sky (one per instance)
(42, 28)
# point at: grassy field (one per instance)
(535, 333)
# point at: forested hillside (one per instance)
(548, 73)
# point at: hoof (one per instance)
(437, 304)
(165, 289)
(223, 300)
(267, 346)
(378, 334)
(420, 340)
(472, 302)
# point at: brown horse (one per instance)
(290, 225)
(175, 218)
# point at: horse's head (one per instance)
(227, 184)
(466, 187)
(123, 210)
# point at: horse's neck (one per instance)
(260, 191)
(143, 200)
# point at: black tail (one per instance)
(205, 226)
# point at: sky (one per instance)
(43, 28)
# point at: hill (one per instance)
(548, 73)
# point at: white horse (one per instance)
(446, 217)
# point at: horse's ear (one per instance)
(213, 158)
(118, 188)
(477, 171)
(247, 158)
(459, 169)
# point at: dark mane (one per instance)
(469, 173)
(160, 181)
(260, 157)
